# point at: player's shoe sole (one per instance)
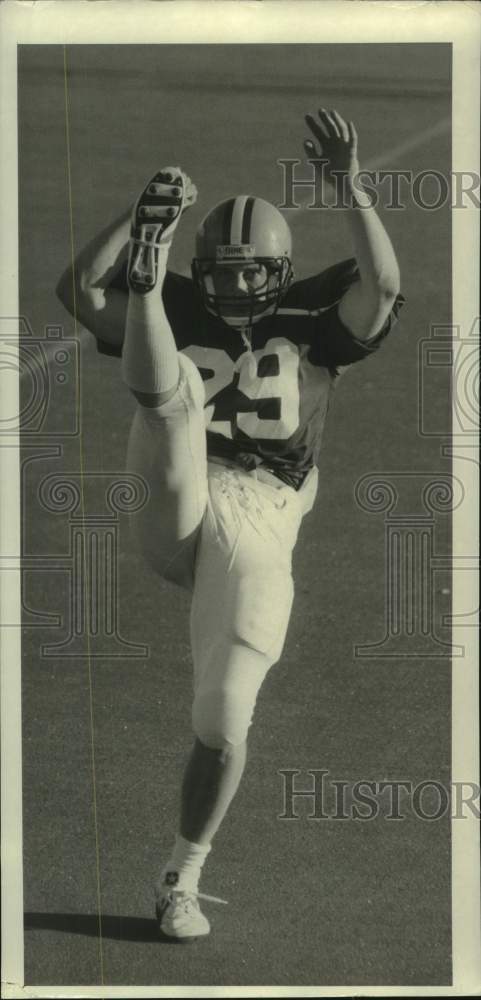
(155, 216)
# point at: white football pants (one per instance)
(228, 538)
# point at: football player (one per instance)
(232, 371)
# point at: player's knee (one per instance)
(221, 719)
(174, 567)
(187, 396)
(191, 386)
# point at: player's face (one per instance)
(242, 292)
(235, 284)
(239, 280)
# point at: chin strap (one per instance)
(246, 334)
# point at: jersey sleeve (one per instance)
(332, 342)
(323, 290)
(341, 347)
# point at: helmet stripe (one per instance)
(246, 222)
(226, 226)
(237, 216)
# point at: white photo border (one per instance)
(223, 21)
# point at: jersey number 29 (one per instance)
(281, 387)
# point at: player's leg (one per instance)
(211, 780)
(167, 449)
(218, 757)
(240, 611)
(167, 441)
(240, 614)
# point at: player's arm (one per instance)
(366, 304)
(84, 287)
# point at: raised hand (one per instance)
(336, 143)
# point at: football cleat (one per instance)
(249, 237)
(178, 912)
(155, 217)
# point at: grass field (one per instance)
(310, 902)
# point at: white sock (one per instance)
(150, 362)
(187, 860)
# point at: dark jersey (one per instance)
(266, 403)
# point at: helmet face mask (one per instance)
(242, 268)
(245, 305)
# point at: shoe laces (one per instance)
(188, 896)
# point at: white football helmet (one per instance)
(250, 237)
